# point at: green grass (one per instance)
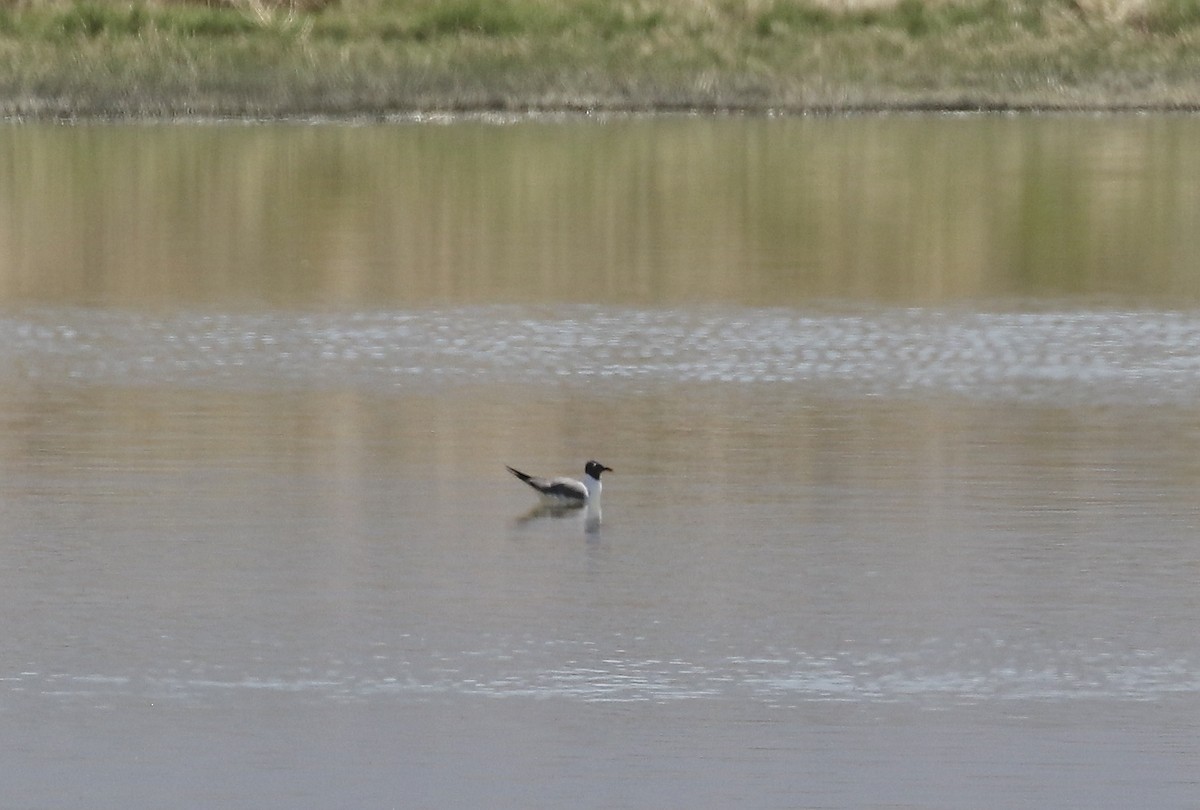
(378, 57)
(1168, 17)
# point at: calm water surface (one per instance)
(902, 414)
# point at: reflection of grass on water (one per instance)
(272, 57)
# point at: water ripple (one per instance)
(931, 676)
(1066, 356)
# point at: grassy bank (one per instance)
(380, 57)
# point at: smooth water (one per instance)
(902, 414)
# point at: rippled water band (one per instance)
(923, 677)
(1066, 357)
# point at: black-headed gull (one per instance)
(566, 492)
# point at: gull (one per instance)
(568, 492)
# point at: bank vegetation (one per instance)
(272, 58)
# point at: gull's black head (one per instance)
(594, 468)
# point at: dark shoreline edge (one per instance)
(508, 112)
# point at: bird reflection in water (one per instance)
(589, 514)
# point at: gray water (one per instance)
(878, 534)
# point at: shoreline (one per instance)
(504, 115)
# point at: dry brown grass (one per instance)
(346, 57)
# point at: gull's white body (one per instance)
(568, 492)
